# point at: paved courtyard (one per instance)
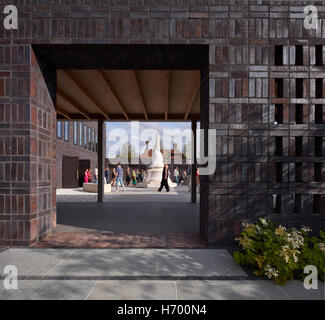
(136, 218)
(173, 274)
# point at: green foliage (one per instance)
(278, 253)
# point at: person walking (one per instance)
(106, 175)
(86, 176)
(164, 179)
(119, 179)
(113, 182)
(96, 174)
(176, 175)
(183, 178)
(128, 176)
(89, 176)
(134, 178)
(140, 179)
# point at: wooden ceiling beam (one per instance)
(85, 90)
(138, 117)
(60, 111)
(141, 95)
(192, 97)
(66, 97)
(109, 88)
(167, 94)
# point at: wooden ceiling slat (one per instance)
(61, 111)
(85, 90)
(167, 94)
(109, 88)
(141, 95)
(192, 98)
(73, 103)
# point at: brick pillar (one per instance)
(27, 152)
(43, 154)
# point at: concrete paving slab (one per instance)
(229, 290)
(196, 262)
(296, 291)
(33, 262)
(134, 290)
(48, 290)
(129, 217)
(108, 262)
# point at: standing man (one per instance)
(96, 175)
(106, 175)
(119, 179)
(189, 175)
(164, 180)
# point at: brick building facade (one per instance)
(265, 102)
(81, 142)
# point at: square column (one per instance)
(194, 164)
(101, 161)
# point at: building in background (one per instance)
(76, 151)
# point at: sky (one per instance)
(113, 127)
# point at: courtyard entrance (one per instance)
(113, 84)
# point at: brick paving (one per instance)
(121, 240)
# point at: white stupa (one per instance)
(155, 169)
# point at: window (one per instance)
(319, 88)
(317, 203)
(318, 114)
(277, 203)
(80, 134)
(278, 173)
(59, 129)
(278, 55)
(299, 146)
(297, 203)
(319, 55)
(278, 146)
(85, 136)
(278, 117)
(75, 133)
(66, 131)
(299, 88)
(93, 141)
(299, 114)
(89, 139)
(317, 171)
(279, 88)
(299, 55)
(298, 167)
(96, 142)
(318, 146)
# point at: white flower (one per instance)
(306, 229)
(322, 247)
(271, 272)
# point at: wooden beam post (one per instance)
(194, 162)
(100, 160)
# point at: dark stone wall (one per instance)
(241, 36)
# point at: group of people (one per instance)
(182, 177)
(135, 176)
(88, 176)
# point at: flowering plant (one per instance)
(279, 253)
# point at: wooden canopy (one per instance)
(123, 95)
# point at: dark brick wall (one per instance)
(241, 36)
